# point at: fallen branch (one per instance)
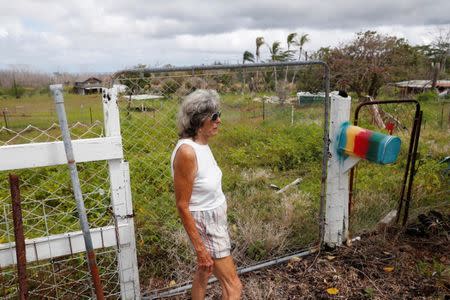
(295, 182)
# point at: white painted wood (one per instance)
(122, 234)
(336, 210)
(64, 244)
(111, 112)
(121, 203)
(52, 153)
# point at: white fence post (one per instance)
(121, 202)
(337, 197)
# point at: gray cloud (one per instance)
(112, 34)
(202, 17)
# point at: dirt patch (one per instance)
(413, 263)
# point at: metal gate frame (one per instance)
(325, 151)
(410, 170)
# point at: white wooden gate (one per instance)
(120, 235)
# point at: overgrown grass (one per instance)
(253, 153)
(39, 110)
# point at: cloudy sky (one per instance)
(109, 35)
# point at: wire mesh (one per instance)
(266, 139)
(49, 208)
(431, 189)
(377, 188)
(66, 277)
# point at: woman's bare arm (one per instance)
(185, 169)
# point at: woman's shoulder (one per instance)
(185, 150)
(185, 156)
(191, 143)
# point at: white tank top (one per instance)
(207, 190)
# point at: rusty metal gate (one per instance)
(372, 197)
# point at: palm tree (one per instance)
(277, 53)
(290, 41)
(259, 43)
(300, 41)
(274, 51)
(248, 56)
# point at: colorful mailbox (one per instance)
(373, 146)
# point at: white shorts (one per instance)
(212, 226)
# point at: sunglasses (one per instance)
(215, 116)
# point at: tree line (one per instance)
(366, 63)
(18, 80)
(363, 65)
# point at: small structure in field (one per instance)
(140, 102)
(306, 98)
(92, 85)
(418, 86)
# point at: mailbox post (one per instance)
(348, 145)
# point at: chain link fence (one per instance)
(266, 141)
(49, 209)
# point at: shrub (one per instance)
(427, 96)
(194, 83)
(169, 86)
(17, 91)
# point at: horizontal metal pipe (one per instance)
(181, 289)
(358, 108)
(220, 67)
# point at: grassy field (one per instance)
(253, 154)
(39, 110)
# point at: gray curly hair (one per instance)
(194, 109)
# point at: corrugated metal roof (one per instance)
(423, 84)
(443, 83)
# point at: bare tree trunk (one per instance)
(15, 88)
(375, 111)
(243, 81)
(252, 85)
(435, 75)
(377, 117)
(299, 59)
(275, 74)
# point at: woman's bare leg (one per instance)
(225, 271)
(200, 284)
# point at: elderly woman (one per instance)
(200, 201)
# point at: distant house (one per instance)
(91, 85)
(418, 86)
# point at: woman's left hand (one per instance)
(205, 261)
